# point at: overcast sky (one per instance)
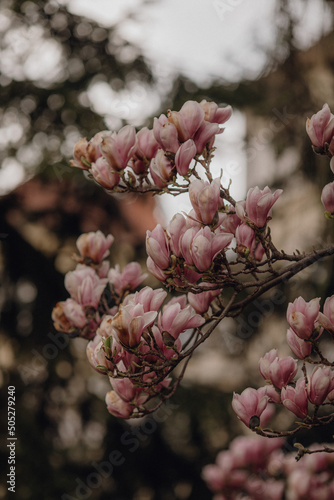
(221, 38)
(202, 39)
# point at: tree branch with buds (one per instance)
(215, 261)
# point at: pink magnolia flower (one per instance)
(94, 245)
(184, 155)
(247, 244)
(327, 197)
(88, 152)
(319, 384)
(205, 135)
(229, 221)
(80, 155)
(178, 317)
(205, 197)
(74, 313)
(279, 371)
(327, 318)
(201, 301)
(67, 315)
(214, 114)
(258, 205)
(176, 228)
(250, 403)
(151, 299)
(94, 146)
(147, 146)
(130, 322)
(295, 398)
(320, 127)
(185, 243)
(188, 120)
(103, 174)
(129, 279)
(85, 286)
(265, 363)
(117, 406)
(155, 270)
(97, 356)
(297, 345)
(115, 352)
(160, 339)
(161, 169)
(117, 148)
(302, 315)
(157, 247)
(271, 392)
(127, 391)
(165, 133)
(203, 247)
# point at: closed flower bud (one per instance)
(327, 197)
(117, 406)
(320, 127)
(205, 135)
(104, 174)
(165, 134)
(329, 314)
(176, 228)
(301, 316)
(184, 155)
(295, 398)
(282, 371)
(155, 270)
(80, 155)
(94, 245)
(205, 197)
(117, 148)
(147, 146)
(319, 384)
(157, 247)
(201, 301)
(265, 363)
(297, 345)
(161, 169)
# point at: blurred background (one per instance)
(70, 68)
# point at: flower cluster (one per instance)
(130, 160)
(192, 248)
(221, 257)
(295, 390)
(257, 468)
(95, 289)
(133, 339)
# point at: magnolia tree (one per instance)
(218, 258)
